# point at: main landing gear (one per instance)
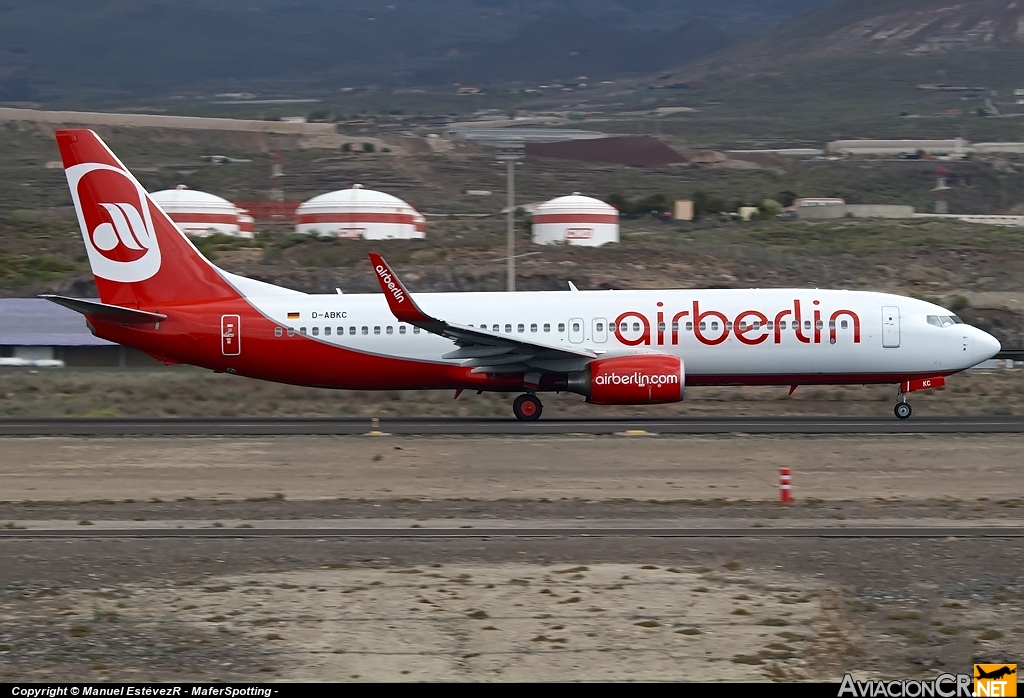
(903, 409)
(527, 408)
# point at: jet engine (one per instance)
(641, 379)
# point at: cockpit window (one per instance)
(944, 320)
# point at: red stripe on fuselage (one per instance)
(192, 334)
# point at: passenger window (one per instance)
(401, 329)
(278, 332)
(757, 324)
(316, 331)
(831, 324)
(675, 326)
(704, 325)
(390, 329)
(521, 327)
(508, 327)
(352, 329)
(689, 327)
(533, 327)
(547, 327)
(636, 327)
(376, 329)
(782, 324)
(807, 324)
(327, 331)
(624, 326)
(366, 330)
(844, 324)
(302, 330)
(575, 327)
(600, 327)
(291, 331)
(495, 328)
(561, 327)
(728, 326)
(819, 324)
(661, 327)
(415, 330)
(771, 325)
(714, 325)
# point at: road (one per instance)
(482, 426)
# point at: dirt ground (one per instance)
(554, 608)
(657, 468)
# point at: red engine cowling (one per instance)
(642, 379)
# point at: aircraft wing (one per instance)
(485, 351)
(105, 311)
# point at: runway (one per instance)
(934, 532)
(481, 426)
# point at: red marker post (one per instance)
(785, 486)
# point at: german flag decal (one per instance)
(293, 316)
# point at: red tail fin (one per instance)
(138, 256)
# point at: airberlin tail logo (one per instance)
(117, 223)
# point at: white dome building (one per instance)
(201, 214)
(575, 220)
(359, 213)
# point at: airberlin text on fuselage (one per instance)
(393, 288)
(750, 327)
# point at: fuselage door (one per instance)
(230, 335)
(890, 326)
(576, 330)
(600, 330)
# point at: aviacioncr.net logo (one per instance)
(641, 380)
(116, 221)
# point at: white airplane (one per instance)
(160, 295)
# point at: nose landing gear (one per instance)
(903, 410)
(527, 408)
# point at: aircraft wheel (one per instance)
(527, 408)
(903, 410)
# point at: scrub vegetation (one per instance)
(190, 392)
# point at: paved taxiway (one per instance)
(487, 532)
(516, 557)
(483, 426)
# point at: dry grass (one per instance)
(186, 392)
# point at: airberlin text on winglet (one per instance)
(394, 289)
(751, 327)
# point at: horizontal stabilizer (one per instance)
(105, 311)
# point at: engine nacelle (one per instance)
(640, 379)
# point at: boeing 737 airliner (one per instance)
(160, 295)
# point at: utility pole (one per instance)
(511, 152)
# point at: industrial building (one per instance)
(201, 214)
(359, 213)
(953, 147)
(575, 220)
(37, 333)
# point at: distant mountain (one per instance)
(570, 46)
(54, 48)
(907, 27)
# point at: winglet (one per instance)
(403, 307)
